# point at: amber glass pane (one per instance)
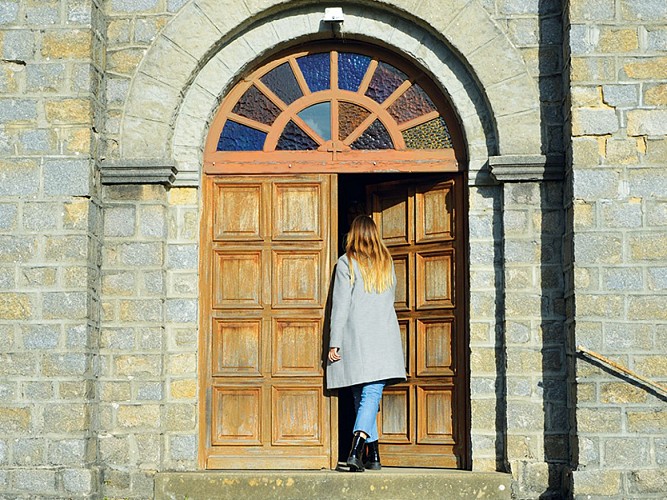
(430, 135)
(316, 69)
(295, 139)
(350, 117)
(375, 137)
(412, 104)
(385, 81)
(318, 117)
(255, 105)
(282, 82)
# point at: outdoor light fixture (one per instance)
(333, 15)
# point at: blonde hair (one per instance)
(364, 245)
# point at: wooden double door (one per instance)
(269, 246)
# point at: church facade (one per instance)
(176, 180)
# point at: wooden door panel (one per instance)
(424, 421)
(435, 215)
(298, 211)
(298, 416)
(236, 348)
(297, 348)
(434, 347)
(435, 279)
(297, 279)
(264, 272)
(236, 416)
(434, 411)
(237, 212)
(237, 279)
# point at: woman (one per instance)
(365, 351)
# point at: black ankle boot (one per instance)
(372, 459)
(355, 460)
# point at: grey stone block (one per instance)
(43, 15)
(19, 45)
(182, 310)
(621, 95)
(45, 77)
(149, 391)
(626, 452)
(3, 450)
(127, 6)
(644, 10)
(77, 480)
(182, 447)
(67, 177)
(657, 278)
(15, 249)
(18, 178)
(519, 7)
(117, 90)
(9, 11)
(39, 141)
(598, 248)
(68, 364)
(8, 214)
(596, 184)
(153, 282)
(594, 121)
(117, 338)
(40, 336)
(656, 39)
(37, 391)
(67, 451)
(29, 451)
(153, 222)
(119, 221)
(621, 215)
(661, 451)
(647, 122)
(41, 216)
(182, 256)
(150, 338)
(79, 12)
(17, 110)
(623, 279)
(34, 481)
(583, 39)
(141, 254)
(77, 336)
(175, 5)
(65, 305)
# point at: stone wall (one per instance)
(51, 77)
(618, 215)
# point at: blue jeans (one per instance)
(367, 403)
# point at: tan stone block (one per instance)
(67, 44)
(66, 418)
(647, 421)
(651, 366)
(183, 196)
(656, 150)
(483, 414)
(519, 278)
(75, 214)
(586, 393)
(618, 40)
(649, 247)
(15, 306)
(623, 151)
(180, 417)
(14, 420)
(138, 416)
(652, 308)
(76, 276)
(596, 482)
(480, 332)
(190, 228)
(180, 364)
(115, 391)
(585, 151)
(10, 70)
(522, 447)
(598, 420)
(589, 69)
(620, 393)
(523, 305)
(78, 389)
(183, 389)
(586, 279)
(586, 96)
(125, 61)
(523, 361)
(483, 360)
(77, 140)
(138, 365)
(68, 111)
(42, 276)
(656, 95)
(646, 68)
(606, 306)
(584, 214)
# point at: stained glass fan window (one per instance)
(332, 101)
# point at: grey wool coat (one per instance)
(365, 329)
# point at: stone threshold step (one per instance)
(389, 483)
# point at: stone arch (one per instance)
(183, 77)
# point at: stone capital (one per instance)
(526, 168)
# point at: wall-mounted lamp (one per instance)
(333, 15)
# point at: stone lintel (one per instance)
(139, 171)
(526, 168)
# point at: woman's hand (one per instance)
(333, 354)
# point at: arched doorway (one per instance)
(293, 146)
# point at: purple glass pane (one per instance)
(282, 82)
(351, 70)
(295, 139)
(316, 69)
(375, 137)
(430, 135)
(412, 104)
(256, 106)
(237, 137)
(385, 81)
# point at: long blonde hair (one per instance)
(364, 245)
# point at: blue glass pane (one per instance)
(375, 137)
(282, 82)
(351, 70)
(316, 69)
(295, 139)
(318, 117)
(237, 137)
(385, 81)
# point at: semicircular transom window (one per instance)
(328, 104)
